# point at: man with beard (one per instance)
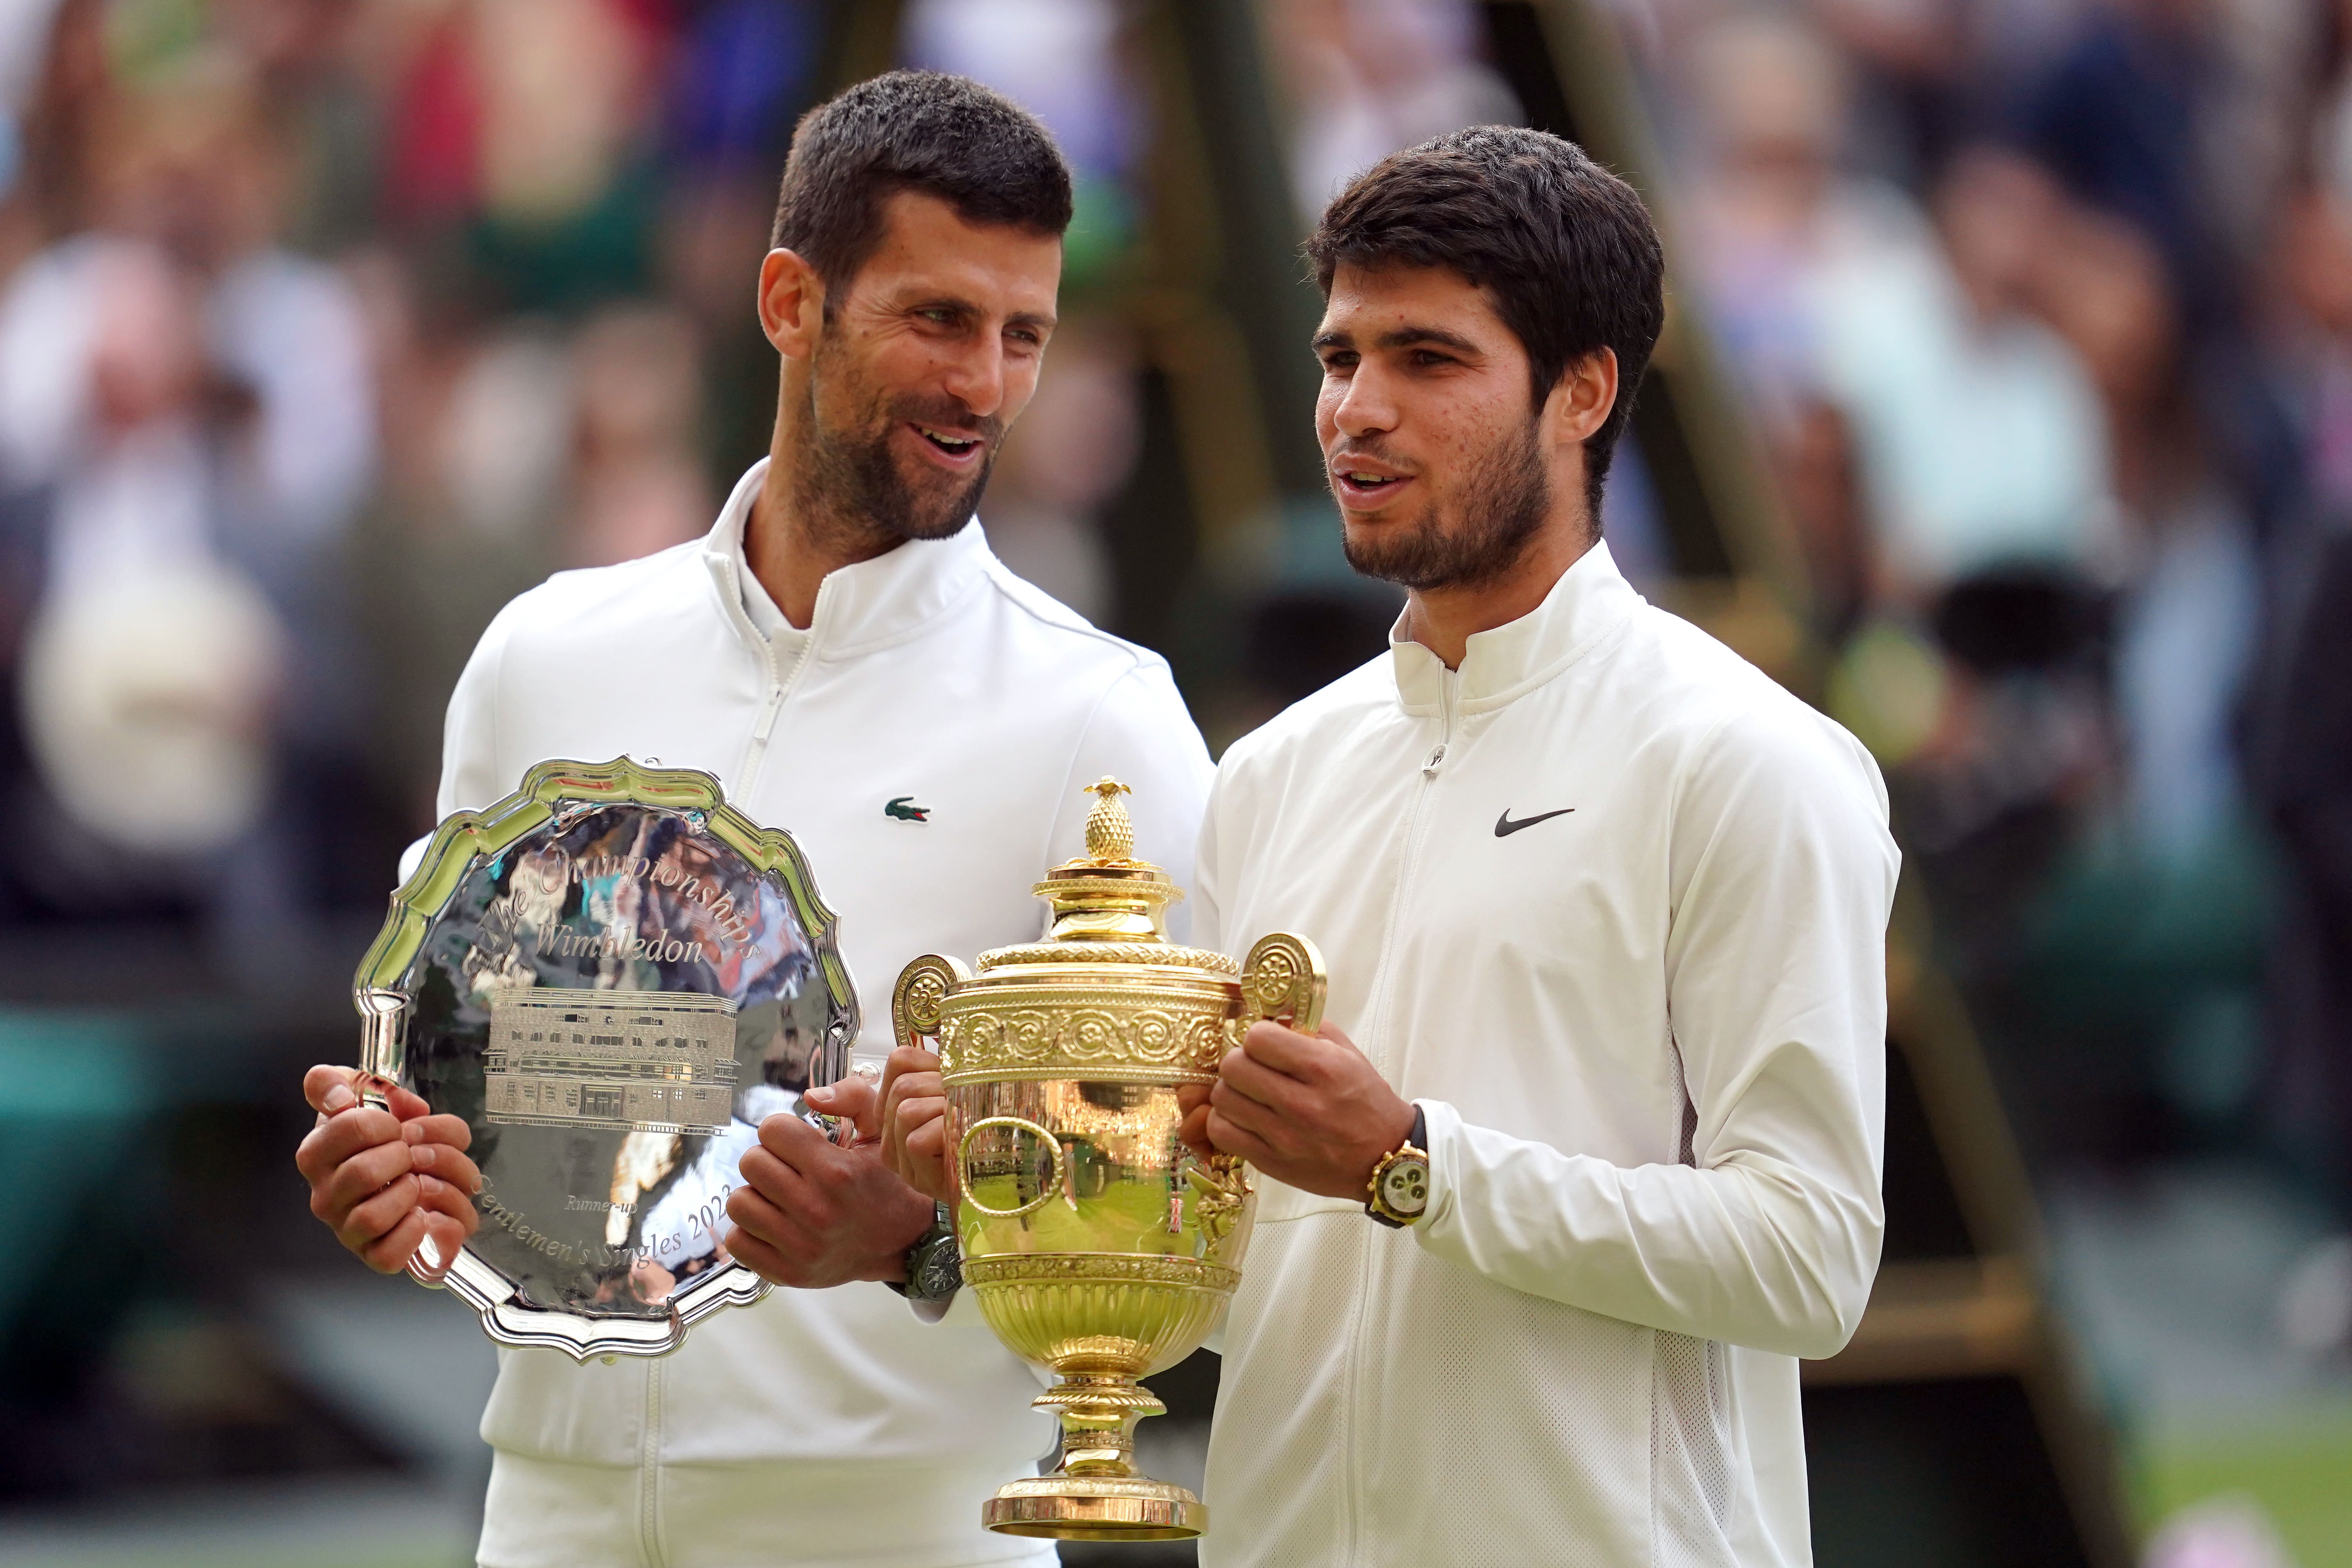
(844, 654)
(1606, 910)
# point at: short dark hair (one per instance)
(1565, 248)
(945, 136)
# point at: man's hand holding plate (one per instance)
(812, 1214)
(386, 1181)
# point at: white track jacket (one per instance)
(817, 1426)
(1611, 907)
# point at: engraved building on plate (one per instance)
(658, 1061)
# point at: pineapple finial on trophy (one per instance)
(1111, 833)
(1105, 894)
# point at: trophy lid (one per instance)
(1106, 894)
(1108, 905)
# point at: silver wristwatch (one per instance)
(934, 1264)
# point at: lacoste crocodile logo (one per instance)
(904, 809)
(1505, 826)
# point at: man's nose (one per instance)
(1364, 407)
(976, 378)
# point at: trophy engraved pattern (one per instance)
(1220, 1189)
(1283, 979)
(1063, 1265)
(652, 1061)
(915, 999)
(1107, 952)
(1106, 1027)
(1098, 1245)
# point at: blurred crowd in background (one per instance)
(2043, 313)
(326, 326)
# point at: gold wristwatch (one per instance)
(1400, 1183)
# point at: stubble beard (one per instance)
(851, 487)
(1477, 539)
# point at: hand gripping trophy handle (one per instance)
(1283, 979)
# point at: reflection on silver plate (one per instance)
(613, 976)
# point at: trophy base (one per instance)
(1095, 1507)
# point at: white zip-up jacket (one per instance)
(817, 1426)
(1611, 907)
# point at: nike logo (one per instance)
(1505, 826)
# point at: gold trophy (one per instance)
(1099, 1246)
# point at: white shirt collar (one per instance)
(1591, 600)
(857, 608)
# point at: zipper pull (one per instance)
(1435, 757)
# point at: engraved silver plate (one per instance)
(613, 976)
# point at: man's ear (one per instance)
(792, 303)
(1581, 398)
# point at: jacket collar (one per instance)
(1590, 601)
(859, 607)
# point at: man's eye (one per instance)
(1333, 363)
(1426, 359)
(938, 315)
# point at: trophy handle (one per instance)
(1284, 978)
(914, 1000)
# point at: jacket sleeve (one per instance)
(1143, 735)
(1767, 1233)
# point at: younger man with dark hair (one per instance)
(842, 643)
(1606, 908)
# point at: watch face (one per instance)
(1404, 1186)
(938, 1272)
